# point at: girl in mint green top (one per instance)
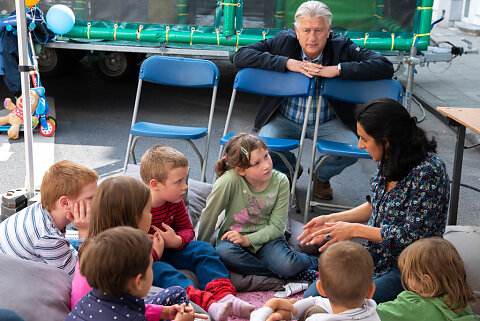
(434, 274)
(255, 199)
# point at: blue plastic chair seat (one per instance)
(167, 131)
(341, 149)
(273, 144)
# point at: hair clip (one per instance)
(244, 151)
(224, 157)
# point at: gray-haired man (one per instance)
(313, 50)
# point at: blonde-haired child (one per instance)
(165, 170)
(255, 199)
(126, 201)
(435, 281)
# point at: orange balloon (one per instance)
(31, 3)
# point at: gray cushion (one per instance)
(466, 240)
(296, 229)
(247, 283)
(34, 290)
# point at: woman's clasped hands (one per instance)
(320, 230)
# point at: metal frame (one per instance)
(132, 141)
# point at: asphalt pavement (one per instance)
(93, 117)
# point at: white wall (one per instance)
(450, 9)
(473, 14)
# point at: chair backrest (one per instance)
(361, 91)
(183, 72)
(273, 83)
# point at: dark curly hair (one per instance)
(388, 121)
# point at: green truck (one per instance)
(117, 34)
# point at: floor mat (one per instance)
(257, 299)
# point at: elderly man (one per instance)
(313, 50)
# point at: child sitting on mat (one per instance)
(346, 275)
(434, 274)
(165, 171)
(255, 199)
(120, 278)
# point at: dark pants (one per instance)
(199, 257)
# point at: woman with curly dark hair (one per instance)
(409, 198)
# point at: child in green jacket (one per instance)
(435, 277)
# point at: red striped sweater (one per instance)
(175, 215)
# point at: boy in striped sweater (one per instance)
(37, 233)
(165, 171)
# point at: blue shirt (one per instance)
(416, 207)
(97, 306)
(294, 108)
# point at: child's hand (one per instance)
(184, 313)
(170, 238)
(281, 304)
(158, 243)
(189, 309)
(236, 238)
(81, 217)
(276, 316)
(170, 312)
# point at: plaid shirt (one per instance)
(293, 108)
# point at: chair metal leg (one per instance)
(310, 196)
(132, 149)
(127, 156)
(311, 186)
(292, 173)
(200, 157)
(312, 162)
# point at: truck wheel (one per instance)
(51, 61)
(116, 65)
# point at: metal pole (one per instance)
(457, 175)
(25, 83)
(411, 66)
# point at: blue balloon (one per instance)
(60, 19)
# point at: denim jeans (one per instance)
(332, 130)
(387, 287)
(199, 257)
(275, 258)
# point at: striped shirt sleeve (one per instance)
(58, 252)
(182, 224)
(175, 215)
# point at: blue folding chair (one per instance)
(278, 84)
(174, 72)
(354, 91)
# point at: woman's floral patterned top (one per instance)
(416, 207)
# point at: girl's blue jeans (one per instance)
(275, 258)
